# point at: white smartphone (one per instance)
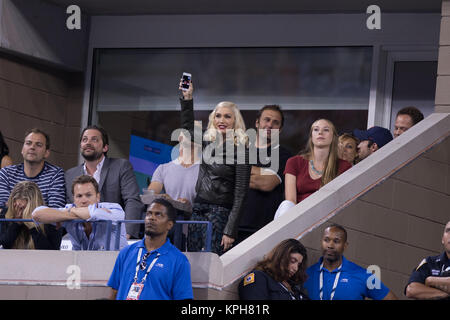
(185, 81)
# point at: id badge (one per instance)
(135, 291)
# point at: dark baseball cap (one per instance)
(379, 135)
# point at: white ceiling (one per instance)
(136, 7)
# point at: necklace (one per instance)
(314, 169)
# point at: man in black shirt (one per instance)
(266, 190)
(431, 279)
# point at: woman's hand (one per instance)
(30, 225)
(19, 205)
(187, 94)
(227, 242)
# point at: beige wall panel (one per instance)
(421, 202)
(425, 234)
(442, 90)
(442, 109)
(403, 258)
(13, 292)
(445, 8)
(381, 194)
(444, 36)
(444, 61)
(425, 173)
(440, 152)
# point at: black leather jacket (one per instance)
(223, 184)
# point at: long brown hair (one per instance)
(29, 191)
(331, 169)
(276, 262)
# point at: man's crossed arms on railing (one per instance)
(87, 206)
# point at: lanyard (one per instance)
(148, 268)
(290, 293)
(336, 280)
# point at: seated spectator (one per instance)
(178, 179)
(348, 148)
(279, 276)
(336, 278)
(431, 279)
(115, 177)
(164, 273)
(24, 198)
(48, 177)
(5, 159)
(371, 140)
(406, 118)
(317, 165)
(86, 206)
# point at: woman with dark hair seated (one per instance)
(279, 276)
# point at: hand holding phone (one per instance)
(185, 81)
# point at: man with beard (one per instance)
(336, 278)
(48, 177)
(266, 190)
(115, 177)
(152, 269)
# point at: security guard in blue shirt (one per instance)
(431, 279)
(152, 269)
(336, 278)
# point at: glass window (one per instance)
(305, 78)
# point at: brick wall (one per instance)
(32, 95)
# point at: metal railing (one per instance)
(119, 226)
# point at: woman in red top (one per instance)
(317, 165)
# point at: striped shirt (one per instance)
(50, 181)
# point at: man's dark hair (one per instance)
(36, 130)
(102, 131)
(273, 107)
(83, 179)
(413, 112)
(340, 228)
(170, 210)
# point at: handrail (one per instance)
(119, 225)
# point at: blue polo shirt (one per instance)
(352, 285)
(169, 279)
